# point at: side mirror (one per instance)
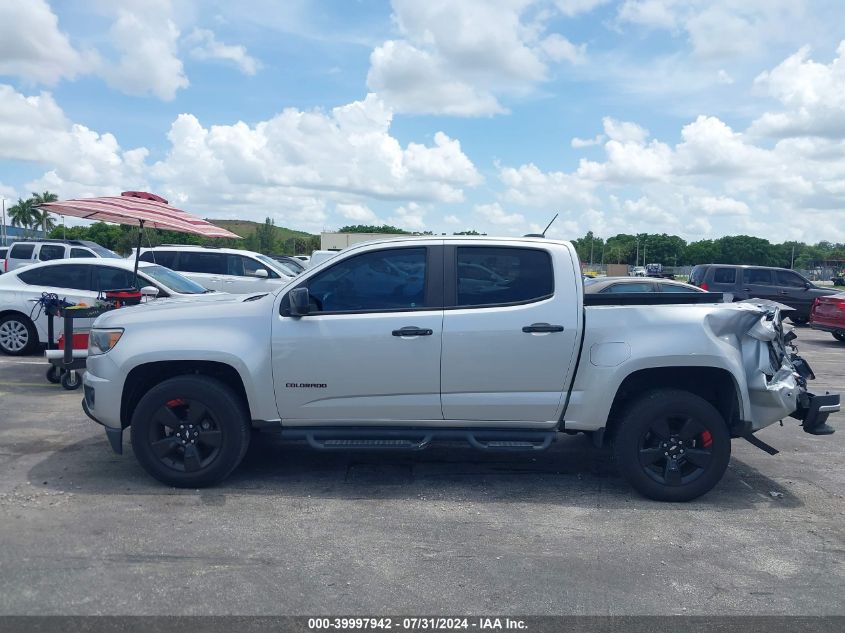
(151, 292)
(808, 285)
(262, 273)
(300, 302)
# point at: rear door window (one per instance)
(758, 276)
(81, 252)
(209, 263)
(724, 276)
(74, 277)
(50, 252)
(22, 251)
(489, 276)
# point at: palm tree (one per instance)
(22, 214)
(43, 218)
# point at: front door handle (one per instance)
(411, 330)
(542, 327)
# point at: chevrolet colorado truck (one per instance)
(399, 343)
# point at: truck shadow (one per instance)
(572, 473)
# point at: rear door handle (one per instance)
(411, 330)
(542, 327)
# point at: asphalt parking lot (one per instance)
(449, 530)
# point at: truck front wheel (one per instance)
(672, 445)
(190, 431)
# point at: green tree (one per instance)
(23, 214)
(42, 217)
(265, 236)
(371, 228)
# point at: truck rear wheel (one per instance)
(672, 445)
(190, 431)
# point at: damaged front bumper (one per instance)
(813, 411)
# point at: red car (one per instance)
(828, 314)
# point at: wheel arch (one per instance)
(715, 385)
(144, 377)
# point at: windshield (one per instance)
(102, 251)
(274, 265)
(288, 267)
(173, 281)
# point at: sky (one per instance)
(699, 118)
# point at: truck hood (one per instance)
(179, 308)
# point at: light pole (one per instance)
(3, 230)
(637, 258)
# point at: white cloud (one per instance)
(410, 217)
(715, 180)
(724, 77)
(578, 143)
(358, 213)
(146, 37)
(452, 219)
(290, 166)
(36, 129)
(457, 58)
(624, 131)
(719, 29)
(33, 48)
(571, 8)
(495, 214)
(812, 93)
(560, 49)
(204, 46)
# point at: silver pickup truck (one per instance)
(400, 343)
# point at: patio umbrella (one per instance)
(137, 208)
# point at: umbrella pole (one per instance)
(138, 250)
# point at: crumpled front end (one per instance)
(777, 376)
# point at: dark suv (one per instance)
(760, 282)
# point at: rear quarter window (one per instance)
(724, 276)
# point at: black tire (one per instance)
(799, 321)
(71, 380)
(839, 335)
(54, 374)
(657, 438)
(190, 431)
(18, 336)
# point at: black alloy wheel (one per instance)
(184, 435)
(672, 445)
(190, 431)
(675, 450)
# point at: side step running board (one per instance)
(370, 438)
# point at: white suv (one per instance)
(28, 252)
(226, 269)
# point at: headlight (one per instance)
(101, 341)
